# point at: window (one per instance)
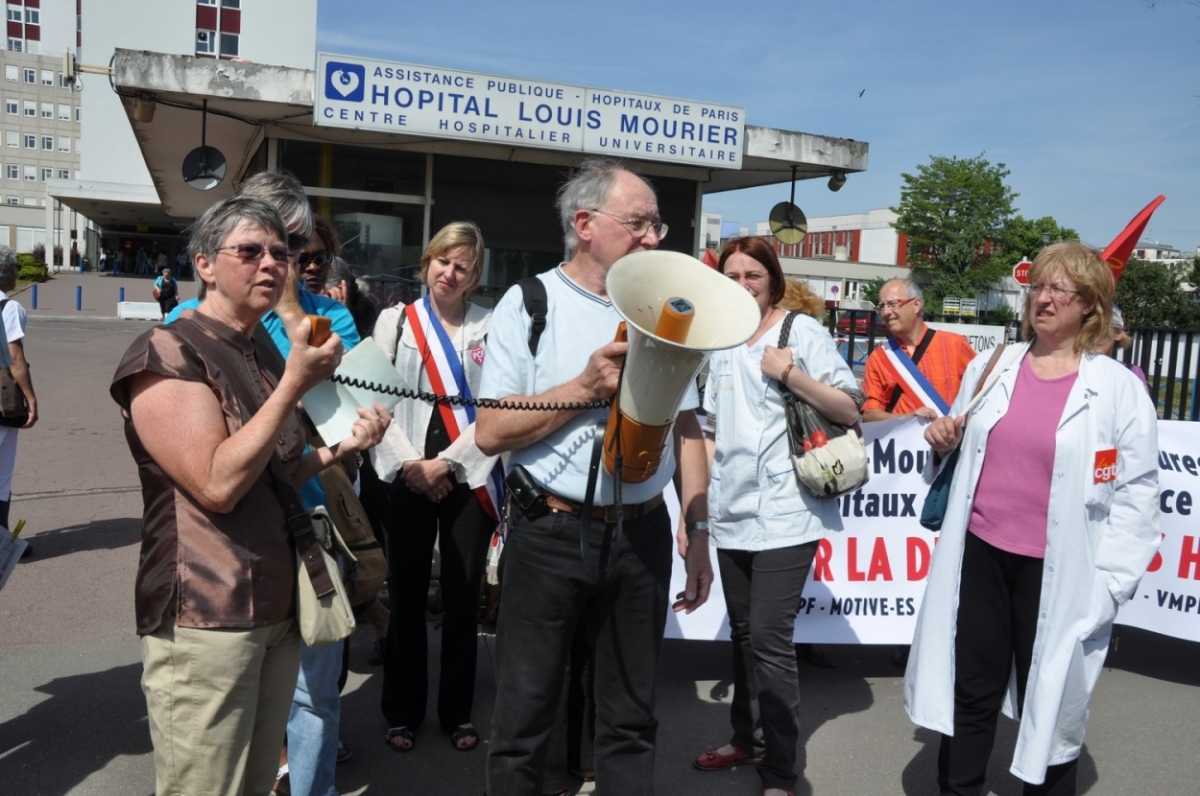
(30, 141)
(231, 3)
(77, 107)
(15, 45)
(78, 174)
(30, 201)
(13, 138)
(48, 143)
(30, 75)
(64, 113)
(32, 16)
(229, 44)
(30, 108)
(47, 110)
(207, 2)
(64, 174)
(47, 77)
(78, 147)
(47, 174)
(13, 171)
(10, 73)
(14, 13)
(204, 41)
(12, 200)
(30, 173)
(62, 81)
(64, 144)
(11, 107)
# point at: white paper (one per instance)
(333, 407)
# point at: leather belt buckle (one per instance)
(610, 514)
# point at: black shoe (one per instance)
(815, 657)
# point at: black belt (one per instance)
(606, 514)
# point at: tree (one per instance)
(1150, 296)
(869, 290)
(953, 212)
(1022, 237)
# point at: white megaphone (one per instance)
(676, 310)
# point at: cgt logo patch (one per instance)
(345, 82)
(1106, 466)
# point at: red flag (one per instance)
(1117, 253)
(710, 258)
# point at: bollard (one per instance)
(35, 297)
(121, 296)
(78, 298)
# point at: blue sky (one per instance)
(1094, 106)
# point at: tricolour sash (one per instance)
(912, 381)
(446, 376)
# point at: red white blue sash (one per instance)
(446, 376)
(910, 379)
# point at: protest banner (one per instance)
(867, 581)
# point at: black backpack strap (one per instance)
(918, 352)
(533, 290)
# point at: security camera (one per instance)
(837, 180)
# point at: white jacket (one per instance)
(405, 438)
(1100, 539)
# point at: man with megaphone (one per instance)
(614, 582)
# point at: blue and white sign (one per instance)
(384, 96)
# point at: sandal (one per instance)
(462, 733)
(404, 734)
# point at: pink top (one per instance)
(1013, 494)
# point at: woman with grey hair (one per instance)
(214, 593)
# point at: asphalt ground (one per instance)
(72, 716)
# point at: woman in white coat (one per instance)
(1051, 523)
(766, 528)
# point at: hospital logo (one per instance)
(345, 82)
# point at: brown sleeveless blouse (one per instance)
(234, 570)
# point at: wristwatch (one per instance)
(696, 527)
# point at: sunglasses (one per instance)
(296, 242)
(320, 259)
(253, 252)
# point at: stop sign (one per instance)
(1021, 272)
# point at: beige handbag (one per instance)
(327, 619)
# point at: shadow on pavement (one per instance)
(825, 694)
(920, 775)
(109, 534)
(88, 721)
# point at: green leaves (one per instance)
(952, 210)
(1150, 296)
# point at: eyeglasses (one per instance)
(253, 252)
(753, 277)
(320, 259)
(638, 226)
(894, 304)
(1057, 292)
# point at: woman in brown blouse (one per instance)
(216, 579)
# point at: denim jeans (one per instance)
(548, 592)
(312, 729)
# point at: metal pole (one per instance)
(121, 296)
(78, 298)
(35, 297)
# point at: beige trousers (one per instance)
(218, 703)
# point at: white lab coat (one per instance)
(1100, 539)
